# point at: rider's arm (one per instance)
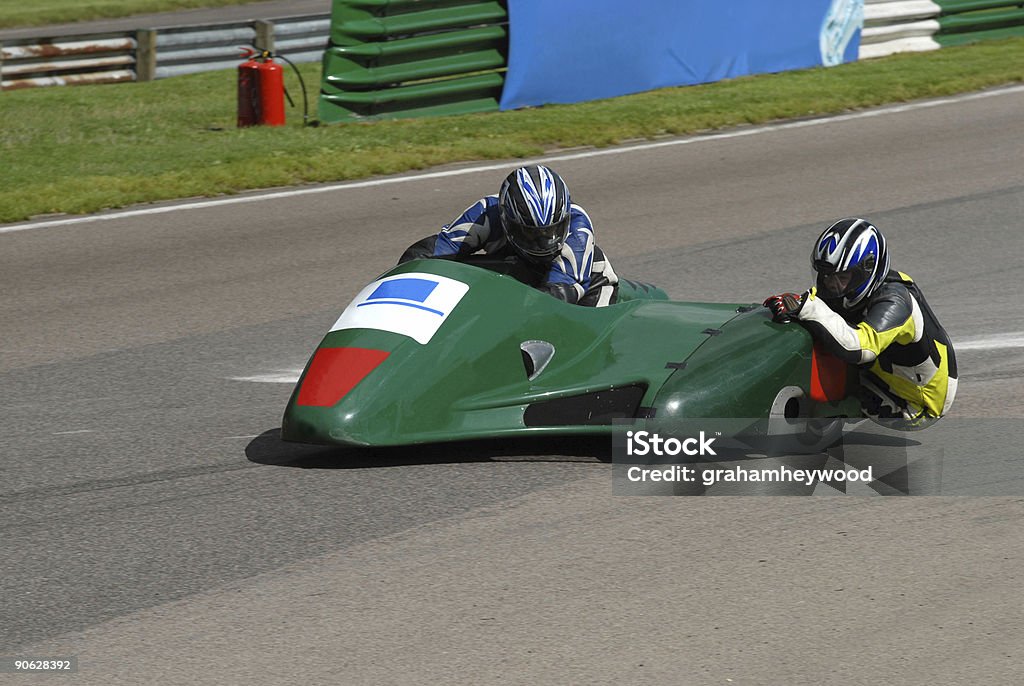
(464, 236)
(569, 277)
(468, 232)
(893, 316)
(421, 249)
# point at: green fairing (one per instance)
(470, 381)
(739, 372)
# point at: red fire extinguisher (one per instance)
(271, 93)
(248, 91)
(260, 90)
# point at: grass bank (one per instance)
(41, 12)
(84, 149)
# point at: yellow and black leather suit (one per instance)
(897, 340)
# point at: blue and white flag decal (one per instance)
(413, 305)
(405, 292)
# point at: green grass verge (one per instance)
(40, 12)
(87, 148)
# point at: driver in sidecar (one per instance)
(877, 318)
(533, 218)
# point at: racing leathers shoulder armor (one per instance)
(581, 274)
(898, 341)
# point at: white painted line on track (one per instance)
(386, 181)
(79, 431)
(1000, 341)
(284, 376)
(996, 342)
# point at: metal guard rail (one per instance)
(95, 58)
(145, 55)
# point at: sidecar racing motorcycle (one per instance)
(437, 351)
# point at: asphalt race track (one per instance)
(155, 527)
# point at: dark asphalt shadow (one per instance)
(269, 449)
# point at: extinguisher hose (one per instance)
(302, 84)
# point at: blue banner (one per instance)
(564, 51)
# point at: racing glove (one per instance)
(785, 306)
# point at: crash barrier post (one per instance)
(145, 55)
(409, 58)
(264, 35)
(969, 21)
(153, 54)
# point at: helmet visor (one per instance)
(537, 241)
(837, 284)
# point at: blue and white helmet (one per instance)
(851, 262)
(535, 211)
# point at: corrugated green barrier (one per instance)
(969, 21)
(409, 58)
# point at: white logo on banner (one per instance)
(844, 18)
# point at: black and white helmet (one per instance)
(535, 211)
(851, 262)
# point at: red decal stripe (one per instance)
(334, 372)
(828, 376)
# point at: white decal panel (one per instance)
(413, 305)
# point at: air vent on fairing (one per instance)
(536, 356)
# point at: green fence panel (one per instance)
(981, 21)
(970, 21)
(410, 58)
(363, 26)
(423, 44)
(463, 95)
(958, 6)
(947, 40)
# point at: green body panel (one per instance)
(740, 372)
(469, 380)
(398, 58)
